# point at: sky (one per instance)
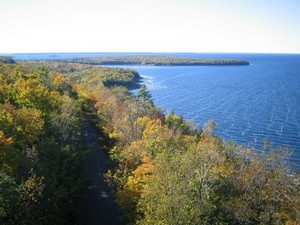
(243, 26)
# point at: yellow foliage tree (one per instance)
(31, 94)
(129, 195)
(22, 124)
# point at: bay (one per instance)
(248, 103)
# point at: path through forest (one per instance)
(97, 206)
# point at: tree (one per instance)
(24, 125)
(9, 199)
(182, 188)
(6, 59)
(261, 189)
(32, 94)
(41, 163)
(129, 195)
(177, 125)
(144, 93)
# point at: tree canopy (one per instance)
(156, 60)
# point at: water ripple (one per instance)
(247, 103)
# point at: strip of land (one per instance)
(157, 61)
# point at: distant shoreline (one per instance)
(156, 61)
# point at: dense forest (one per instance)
(163, 169)
(156, 60)
(8, 60)
(41, 161)
(110, 77)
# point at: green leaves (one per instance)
(8, 60)
(144, 93)
(41, 164)
(9, 198)
(182, 188)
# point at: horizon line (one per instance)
(151, 52)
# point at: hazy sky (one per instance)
(150, 26)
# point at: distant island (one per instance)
(157, 61)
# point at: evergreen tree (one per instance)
(144, 93)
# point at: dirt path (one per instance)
(97, 207)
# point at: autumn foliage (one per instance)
(40, 162)
(163, 169)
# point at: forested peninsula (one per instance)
(161, 169)
(157, 61)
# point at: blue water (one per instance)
(248, 103)
(54, 56)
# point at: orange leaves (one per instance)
(130, 193)
(136, 182)
(5, 142)
(145, 169)
(152, 137)
(57, 79)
